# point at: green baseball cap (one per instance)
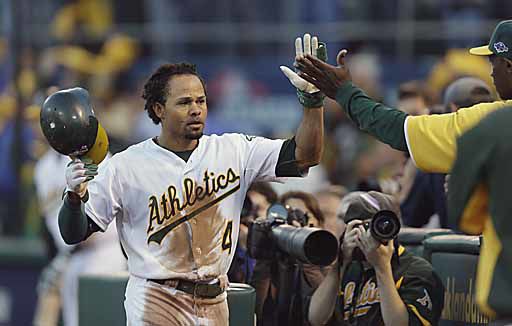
(500, 43)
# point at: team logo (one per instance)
(425, 301)
(249, 138)
(500, 47)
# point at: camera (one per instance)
(384, 226)
(275, 235)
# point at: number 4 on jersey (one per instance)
(226, 238)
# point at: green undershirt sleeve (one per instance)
(75, 226)
(385, 124)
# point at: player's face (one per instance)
(185, 108)
(502, 76)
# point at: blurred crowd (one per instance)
(114, 65)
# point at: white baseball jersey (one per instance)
(180, 219)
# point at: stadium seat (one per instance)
(454, 257)
(412, 238)
(101, 301)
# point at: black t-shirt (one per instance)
(418, 285)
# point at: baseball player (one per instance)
(176, 198)
(483, 156)
(431, 139)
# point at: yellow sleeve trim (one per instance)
(476, 211)
(431, 139)
(401, 250)
(411, 152)
(398, 283)
(489, 253)
(424, 322)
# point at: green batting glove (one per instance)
(309, 96)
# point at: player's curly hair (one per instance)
(156, 88)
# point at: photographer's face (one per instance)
(296, 203)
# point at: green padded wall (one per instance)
(455, 258)
(101, 301)
(412, 238)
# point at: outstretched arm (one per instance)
(310, 138)
(310, 134)
(386, 124)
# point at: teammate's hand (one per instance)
(308, 94)
(78, 173)
(352, 235)
(325, 77)
(377, 254)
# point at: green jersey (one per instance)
(483, 167)
(420, 289)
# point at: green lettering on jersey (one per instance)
(171, 205)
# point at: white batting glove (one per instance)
(78, 173)
(308, 94)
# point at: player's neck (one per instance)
(176, 144)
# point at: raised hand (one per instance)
(308, 94)
(78, 173)
(350, 239)
(322, 75)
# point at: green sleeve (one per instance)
(385, 124)
(74, 224)
(422, 292)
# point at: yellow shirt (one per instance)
(431, 139)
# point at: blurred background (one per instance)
(402, 52)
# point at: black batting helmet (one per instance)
(70, 126)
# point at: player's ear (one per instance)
(508, 65)
(159, 110)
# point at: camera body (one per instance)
(276, 234)
(384, 226)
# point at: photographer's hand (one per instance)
(350, 240)
(392, 308)
(377, 254)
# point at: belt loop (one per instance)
(195, 289)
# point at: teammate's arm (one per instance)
(430, 139)
(386, 124)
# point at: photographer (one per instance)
(267, 276)
(375, 283)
